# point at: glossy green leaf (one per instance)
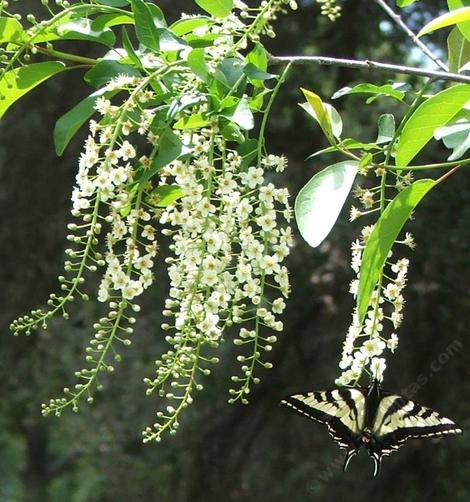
(145, 28)
(382, 238)
(10, 30)
(82, 29)
(166, 195)
(192, 122)
(68, 125)
(169, 149)
(258, 57)
(18, 82)
(320, 201)
(105, 70)
(449, 19)
(254, 73)
(248, 150)
(169, 41)
(386, 125)
(405, 3)
(198, 65)
(188, 25)
(433, 113)
(325, 114)
(110, 20)
(243, 116)
(114, 3)
(128, 47)
(216, 8)
(456, 134)
(389, 90)
(458, 50)
(464, 28)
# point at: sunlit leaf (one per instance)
(449, 19)
(320, 201)
(216, 8)
(383, 236)
(164, 195)
(458, 49)
(68, 125)
(18, 82)
(433, 113)
(10, 30)
(325, 114)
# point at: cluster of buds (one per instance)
(366, 342)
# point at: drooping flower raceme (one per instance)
(228, 249)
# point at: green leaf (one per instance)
(216, 8)
(145, 28)
(184, 26)
(464, 28)
(383, 236)
(198, 65)
(243, 116)
(82, 29)
(258, 57)
(456, 134)
(166, 195)
(325, 114)
(386, 125)
(18, 82)
(169, 149)
(254, 73)
(433, 113)
(248, 150)
(114, 3)
(110, 20)
(131, 54)
(10, 30)
(107, 69)
(389, 90)
(458, 50)
(68, 125)
(169, 41)
(192, 122)
(450, 18)
(320, 201)
(404, 3)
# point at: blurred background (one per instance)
(259, 452)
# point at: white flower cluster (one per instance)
(228, 250)
(330, 9)
(365, 343)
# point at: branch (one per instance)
(401, 24)
(370, 65)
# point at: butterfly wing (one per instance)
(399, 419)
(342, 410)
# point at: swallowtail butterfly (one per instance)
(379, 421)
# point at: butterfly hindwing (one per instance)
(399, 419)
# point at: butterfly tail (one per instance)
(349, 455)
(377, 462)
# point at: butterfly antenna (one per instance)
(349, 455)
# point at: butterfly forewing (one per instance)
(342, 410)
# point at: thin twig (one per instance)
(399, 21)
(447, 174)
(370, 65)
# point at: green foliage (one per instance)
(435, 112)
(320, 201)
(382, 238)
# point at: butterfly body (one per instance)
(370, 418)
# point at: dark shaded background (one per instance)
(232, 453)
